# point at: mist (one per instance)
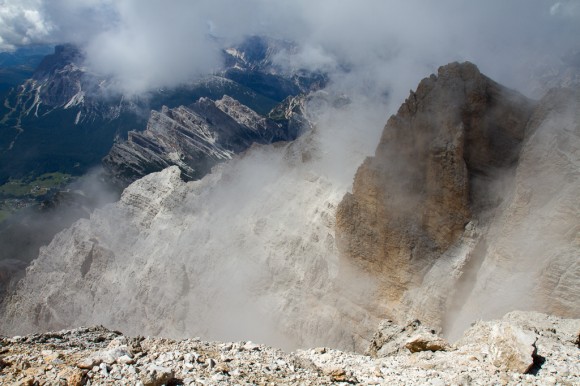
(249, 251)
(27, 230)
(373, 46)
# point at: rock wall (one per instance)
(414, 198)
(466, 209)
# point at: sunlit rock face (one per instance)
(466, 210)
(194, 137)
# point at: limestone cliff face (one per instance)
(413, 199)
(533, 241)
(467, 209)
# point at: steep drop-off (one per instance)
(467, 210)
(247, 252)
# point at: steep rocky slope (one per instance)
(253, 240)
(466, 206)
(194, 138)
(467, 210)
(522, 348)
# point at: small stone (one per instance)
(87, 363)
(28, 381)
(218, 378)
(156, 375)
(336, 374)
(104, 369)
(125, 359)
(210, 363)
(73, 377)
(52, 357)
(222, 368)
(250, 346)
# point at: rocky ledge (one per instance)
(522, 348)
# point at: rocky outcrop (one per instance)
(461, 214)
(69, 110)
(194, 138)
(392, 339)
(414, 198)
(101, 356)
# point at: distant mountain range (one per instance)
(65, 118)
(58, 120)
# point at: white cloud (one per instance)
(22, 23)
(385, 44)
(568, 9)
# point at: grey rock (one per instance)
(194, 138)
(156, 375)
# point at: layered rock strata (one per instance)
(194, 138)
(467, 210)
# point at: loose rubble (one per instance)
(547, 351)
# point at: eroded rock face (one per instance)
(469, 208)
(246, 252)
(194, 138)
(532, 243)
(413, 199)
(446, 221)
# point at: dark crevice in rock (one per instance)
(537, 364)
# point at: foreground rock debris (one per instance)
(522, 348)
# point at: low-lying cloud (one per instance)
(147, 45)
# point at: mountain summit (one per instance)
(468, 209)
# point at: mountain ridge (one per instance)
(261, 238)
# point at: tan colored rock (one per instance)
(512, 348)
(73, 377)
(413, 199)
(426, 342)
(393, 339)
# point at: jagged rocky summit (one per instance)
(522, 348)
(66, 109)
(467, 210)
(194, 138)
